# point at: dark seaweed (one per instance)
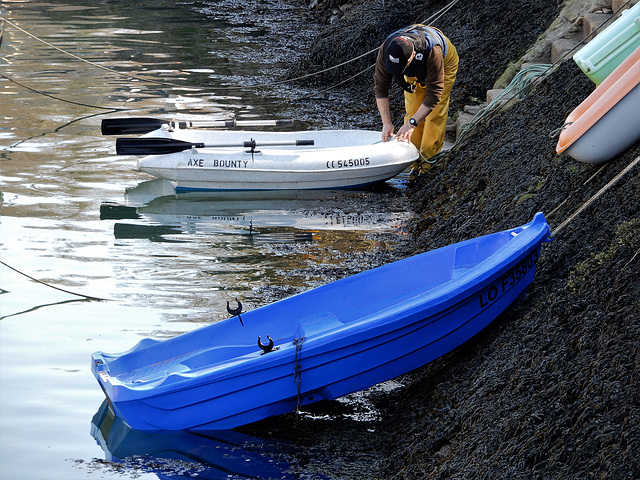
(551, 389)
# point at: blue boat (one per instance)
(325, 343)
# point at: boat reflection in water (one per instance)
(224, 454)
(153, 210)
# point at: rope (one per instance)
(96, 299)
(38, 307)
(97, 65)
(337, 84)
(523, 80)
(520, 83)
(175, 85)
(297, 370)
(596, 196)
(567, 199)
(234, 87)
(113, 109)
(438, 14)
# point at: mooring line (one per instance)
(434, 17)
(77, 57)
(561, 204)
(164, 83)
(297, 372)
(88, 297)
(596, 196)
(107, 109)
(13, 80)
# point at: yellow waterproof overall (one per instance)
(428, 136)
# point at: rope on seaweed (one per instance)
(596, 196)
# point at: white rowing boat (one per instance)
(193, 159)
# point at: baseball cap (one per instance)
(398, 52)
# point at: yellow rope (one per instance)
(596, 196)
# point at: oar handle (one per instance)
(279, 143)
(229, 123)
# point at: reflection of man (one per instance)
(425, 63)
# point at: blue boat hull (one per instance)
(331, 341)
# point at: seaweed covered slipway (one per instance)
(551, 389)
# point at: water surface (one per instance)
(81, 219)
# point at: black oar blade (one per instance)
(135, 126)
(130, 126)
(151, 146)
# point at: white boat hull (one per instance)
(607, 122)
(338, 159)
(616, 131)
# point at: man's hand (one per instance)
(405, 132)
(387, 131)
(387, 124)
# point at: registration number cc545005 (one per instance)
(351, 162)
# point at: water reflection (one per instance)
(37, 307)
(56, 171)
(211, 455)
(154, 211)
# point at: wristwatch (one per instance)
(412, 122)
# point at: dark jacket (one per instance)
(427, 66)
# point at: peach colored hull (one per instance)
(607, 122)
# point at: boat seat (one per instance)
(152, 373)
(216, 355)
(318, 323)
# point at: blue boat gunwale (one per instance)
(442, 297)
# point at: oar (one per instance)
(157, 146)
(126, 126)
